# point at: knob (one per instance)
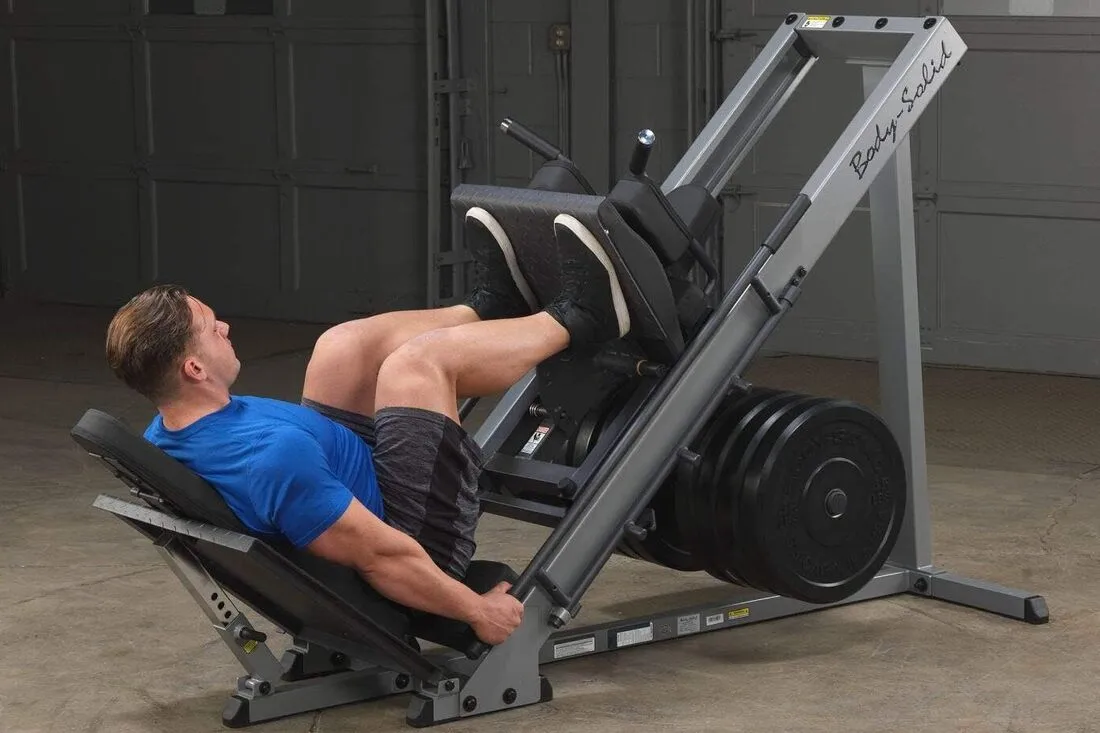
(640, 157)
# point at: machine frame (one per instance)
(905, 62)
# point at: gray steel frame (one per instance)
(905, 62)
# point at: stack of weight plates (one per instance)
(796, 495)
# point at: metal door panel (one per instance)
(71, 105)
(352, 9)
(361, 250)
(1020, 275)
(353, 106)
(81, 238)
(220, 240)
(202, 114)
(70, 7)
(650, 69)
(520, 83)
(1022, 118)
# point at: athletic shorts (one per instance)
(427, 467)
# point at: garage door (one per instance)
(268, 155)
(1007, 195)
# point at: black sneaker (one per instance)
(591, 305)
(500, 289)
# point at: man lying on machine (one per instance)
(372, 470)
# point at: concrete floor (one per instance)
(99, 636)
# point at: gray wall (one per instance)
(1008, 196)
(273, 163)
(628, 62)
(278, 165)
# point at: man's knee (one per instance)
(426, 355)
(345, 343)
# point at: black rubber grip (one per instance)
(476, 649)
(642, 148)
(530, 139)
(786, 225)
(250, 634)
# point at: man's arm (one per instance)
(312, 508)
(399, 568)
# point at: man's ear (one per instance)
(192, 369)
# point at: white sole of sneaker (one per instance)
(497, 231)
(622, 313)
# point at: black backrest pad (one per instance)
(139, 462)
(135, 460)
(527, 217)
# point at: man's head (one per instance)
(168, 345)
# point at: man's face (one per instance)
(212, 354)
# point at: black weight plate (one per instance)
(664, 545)
(592, 425)
(731, 443)
(693, 505)
(745, 555)
(689, 511)
(720, 541)
(672, 543)
(756, 438)
(814, 545)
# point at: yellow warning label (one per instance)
(249, 646)
(816, 21)
(737, 613)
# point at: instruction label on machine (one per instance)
(687, 625)
(586, 645)
(715, 619)
(816, 21)
(535, 441)
(634, 636)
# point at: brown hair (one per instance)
(147, 338)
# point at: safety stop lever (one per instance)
(530, 140)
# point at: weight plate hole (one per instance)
(836, 503)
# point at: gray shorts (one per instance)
(428, 469)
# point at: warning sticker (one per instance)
(634, 636)
(816, 21)
(249, 646)
(714, 620)
(738, 613)
(535, 440)
(687, 625)
(575, 647)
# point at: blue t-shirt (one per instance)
(283, 469)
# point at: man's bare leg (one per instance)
(343, 369)
(428, 466)
(473, 359)
(483, 358)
